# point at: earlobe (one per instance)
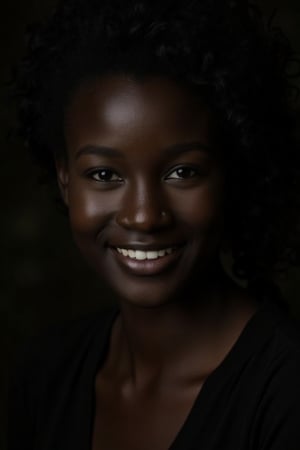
(62, 172)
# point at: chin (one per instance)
(147, 296)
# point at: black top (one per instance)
(250, 402)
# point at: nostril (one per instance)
(144, 219)
(143, 207)
(166, 217)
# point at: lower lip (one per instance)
(148, 267)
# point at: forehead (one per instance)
(124, 106)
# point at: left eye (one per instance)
(182, 173)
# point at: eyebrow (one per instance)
(177, 149)
(100, 150)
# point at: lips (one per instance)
(147, 262)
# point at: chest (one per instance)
(143, 422)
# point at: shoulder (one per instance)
(60, 342)
(284, 362)
(285, 342)
(277, 417)
(279, 355)
(45, 371)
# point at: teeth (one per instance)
(140, 255)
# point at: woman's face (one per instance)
(143, 185)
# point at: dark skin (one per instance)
(144, 185)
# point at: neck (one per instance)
(160, 341)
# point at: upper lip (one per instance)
(146, 247)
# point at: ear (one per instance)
(62, 172)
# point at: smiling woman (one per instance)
(142, 175)
(170, 130)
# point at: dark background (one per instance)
(43, 278)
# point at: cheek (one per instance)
(87, 212)
(202, 208)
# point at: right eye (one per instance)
(104, 175)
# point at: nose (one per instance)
(144, 207)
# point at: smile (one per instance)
(141, 255)
(147, 261)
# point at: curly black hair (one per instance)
(224, 48)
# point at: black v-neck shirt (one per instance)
(250, 402)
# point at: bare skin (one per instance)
(146, 389)
(143, 175)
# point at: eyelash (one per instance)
(192, 172)
(114, 177)
(104, 170)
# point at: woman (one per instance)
(170, 130)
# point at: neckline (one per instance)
(262, 322)
(254, 335)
